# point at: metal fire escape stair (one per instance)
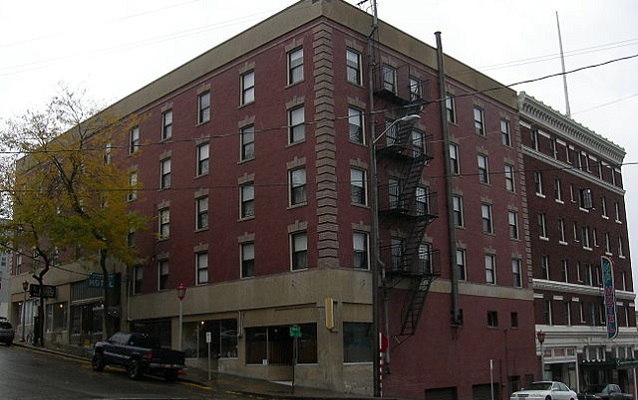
(415, 302)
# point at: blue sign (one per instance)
(610, 297)
(97, 280)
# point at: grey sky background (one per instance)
(112, 48)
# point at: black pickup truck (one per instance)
(609, 391)
(139, 353)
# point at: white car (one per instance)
(545, 390)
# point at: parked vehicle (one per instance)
(545, 390)
(7, 333)
(139, 353)
(604, 391)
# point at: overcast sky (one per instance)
(112, 48)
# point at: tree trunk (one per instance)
(106, 325)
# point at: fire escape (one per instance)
(406, 207)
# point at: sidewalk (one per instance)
(224, 382)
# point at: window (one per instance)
(360, 249)
(516, 272)
(353, 67)
(355, 125)
(418, 143)
(203, 108)
(247, 143)
(164, 223)
(567, 309)
(450, 109)
(425, 258)
(585, 237)
(585, 199)
(545, 267)
(394, 193)
(162, 275)
(421, 199)
(533, 138)
(247, 201)
(296, 125)
(548, 312)
(542, 226)
(415, 89)
(509, 178)
(134, 140)
(552, 147)
(617, 211)
(299, 251)
(132, 182)
(512, 220)
(455, 166)
(561, 231)
(483, 171)
(295, 66)
(538, 183)
(247, 259)
(389, 79)
(594, 237)
(558, 192)
(505, 132)
(130, 238)
(203, 159)
(492, 319)
(621, 249)
(603, 207)
(490, 268)
(514, 320)
(396, 250)
(479, 124)
(201, 208)
(607, 243)
(167, 124)
(297, 184)
(486, 218)
(247, 88)
(358, 186)
(138, 275)
(108, 149)
(201, 266)
(358, 338)
(457, 205)
(165, 173)
(460, 263)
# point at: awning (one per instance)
(619, 363)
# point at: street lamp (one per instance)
(25, 286)
(540, 335)
(374, 206)
(181, 293)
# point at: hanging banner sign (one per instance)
(610, 297)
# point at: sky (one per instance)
(112, 48)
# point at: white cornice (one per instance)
(564, 287)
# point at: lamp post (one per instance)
(540, 335)
(181, 293)
(376, 262)
(25, 287)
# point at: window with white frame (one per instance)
(394, 193)
(455, 165)
(538, 183)
(603, 207)
(247, 143)
(418, 143)
(510, 185)
(561, 231)
(585, 237)
(203, 107)
(425, 258)
(479, 121)
(108, 149)
(542, 226)
(621, 248)
(360, 250)
(552, 148)
(201, 208)
(505, 132)
(389, 78)
(617, 211)
(567, 308)
(165, 173)
(297, 185)
(545, 266)
(296, 125)
(564, 270)
(415, 89)
(483, 170)
(460, 264)
(203, 155)
(457, 206)
(162, 274)
(355, 125)
(247, 88)
(517, 275)
(353, 67)
(558, 190)
(358, 186)
(396, 252)
(295, 66)
(132, 182)
(134, 140)
(607, 243)
(533, 136)
(486, 218)
(201, 267)
(512, 220)
(421, 200)
(247, 259)
(164, 223)
(490, 268)
(450, 109)
(167, 124)
(299, 251)
(247, 200)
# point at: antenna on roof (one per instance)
(562, 61)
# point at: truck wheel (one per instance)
(97, 362)
(170, 375)
(134, 370)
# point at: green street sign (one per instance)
(295, 331)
